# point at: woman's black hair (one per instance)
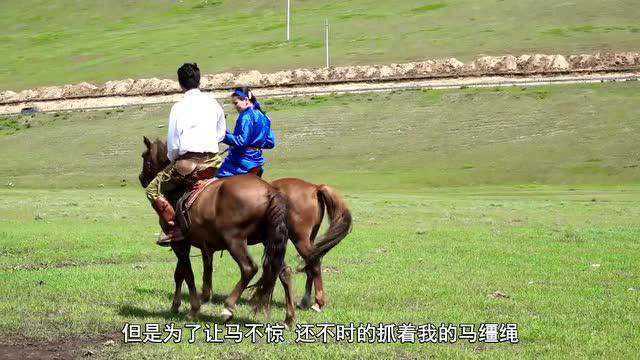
(245, 92)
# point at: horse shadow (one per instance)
(219, 299)
(129, 310)
(215, 298)
(138, 312)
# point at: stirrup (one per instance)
(174, 235)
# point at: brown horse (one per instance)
(307, 203)
(230, 215)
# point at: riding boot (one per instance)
(171, 232)
(164, 210)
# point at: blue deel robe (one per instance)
(251, 134)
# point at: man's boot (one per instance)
(164, 210)
(167, 214)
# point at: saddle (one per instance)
(186, 200)
(194, 175)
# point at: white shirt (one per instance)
(196, 124)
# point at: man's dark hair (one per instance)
(189, 76)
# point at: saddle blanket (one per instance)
(196, 190)
(186, 201)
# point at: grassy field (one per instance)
(456, 194)
(47, 43)
(400, 141)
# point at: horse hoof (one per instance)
(205, 299)
(304, 305)
(226, 315)
(288, 323)
(175, 309)
(192, 316)
(316, 308)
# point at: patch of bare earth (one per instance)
(73, 348)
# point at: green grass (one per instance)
(46, 43)
(399, 141)
(530, 192)
(434, 257)
(9, 126)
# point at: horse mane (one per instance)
(161, 152)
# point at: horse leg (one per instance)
(207, 262)
(314, 279)
(305, 302)
(239, 252)
(181, 249)
(285, 279)
(178, 276)
(305, 247)
(316, 271)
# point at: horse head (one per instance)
(154, 159)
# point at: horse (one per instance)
(307, 204)
(230, 215)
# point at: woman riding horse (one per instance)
(251, 134)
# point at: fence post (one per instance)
(326, 41)
(288, 20)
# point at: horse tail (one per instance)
(275, 246)
(339, 222)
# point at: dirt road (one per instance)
(339, 88)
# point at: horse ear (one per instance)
(147, 142)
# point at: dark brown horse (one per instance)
(230, 215)
(307, 203)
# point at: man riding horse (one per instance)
(196, 126)
(224, 215)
